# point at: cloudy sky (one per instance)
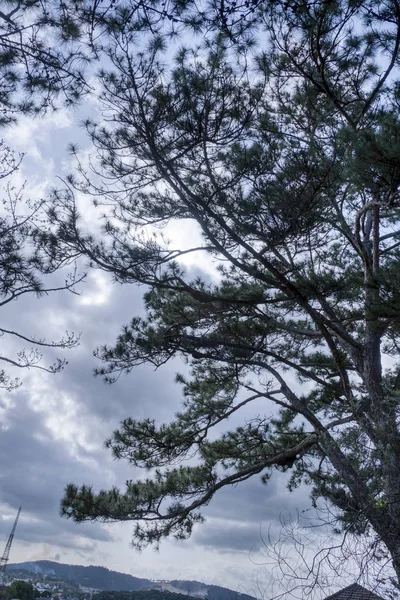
(53, 427)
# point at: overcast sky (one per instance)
(53, 428)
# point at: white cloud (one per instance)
(100, 292)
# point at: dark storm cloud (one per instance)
(145, 392)
(36, 465)
(229, 536)
(240, 518)
(253, 501)
(35, 469)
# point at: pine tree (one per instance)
(26, 269)
(45, 49)
(282, 144)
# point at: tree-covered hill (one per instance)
(139, 595)
(94, 577)
(118, 586)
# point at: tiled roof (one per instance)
(354, 592)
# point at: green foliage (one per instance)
(34, 68)
(21, 590)
(46, 45)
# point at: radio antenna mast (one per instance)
(6, 553)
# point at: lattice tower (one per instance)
(6, 553)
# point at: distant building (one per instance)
(354, 592)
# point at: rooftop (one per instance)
(354, 592)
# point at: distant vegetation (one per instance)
(22, 590)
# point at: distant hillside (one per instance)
(93, 577)
(139, 595)
(100, 578)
